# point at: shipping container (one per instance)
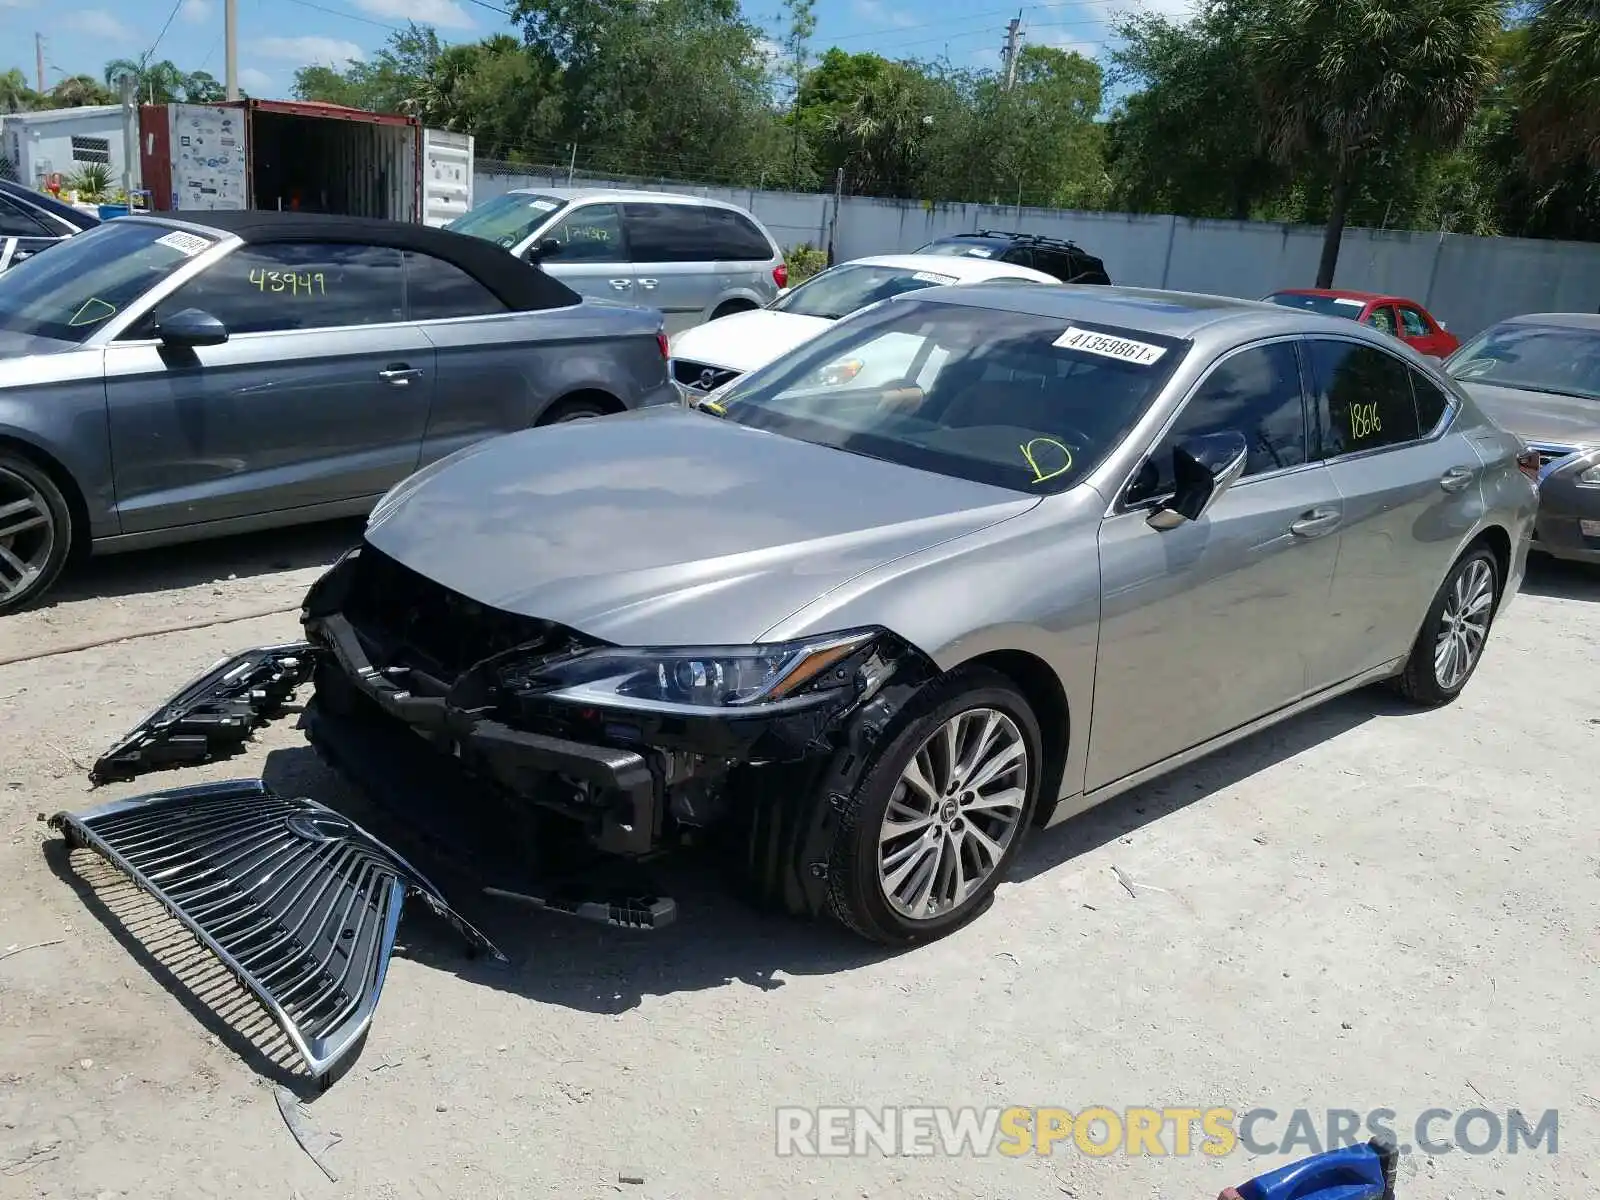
(306, 157)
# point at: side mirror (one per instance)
(543, 249)
(191, 328)
(1204, 468)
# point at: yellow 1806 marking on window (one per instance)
(288, 281)
(1029, 454)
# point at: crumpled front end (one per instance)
(297, 901)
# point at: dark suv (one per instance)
(1067, 261)
(31, 221)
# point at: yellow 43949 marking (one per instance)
(290, 282)
(1030, 451)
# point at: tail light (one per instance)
(1528, 464)
(780, 275)
(661, 341)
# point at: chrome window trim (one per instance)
(1119, 507)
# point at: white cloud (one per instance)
(1090, 50)
(880, 14)
(446, 14)
(16, 3)
(308, 51)
(98, 23)
(258, 83)
(196, 12)
(1177, 10)
(769, 50)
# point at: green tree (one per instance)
(79, 91)
(1560, 86)
(395, 80)
(1039, 139)
(1343, 82)
(801, 26)
(15, 94)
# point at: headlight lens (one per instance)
(1590, 478)
(691, 678)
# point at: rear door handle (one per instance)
(648, 284)
(1456, 478)
(399, 375)
(1316, 522)
(622, 285)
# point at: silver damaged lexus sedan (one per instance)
(861, 639)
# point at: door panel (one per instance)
(593, 260)
(674, 261)
(1206, 627)
(264, 422)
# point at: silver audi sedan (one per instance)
(865, 636)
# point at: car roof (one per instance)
(519, 285)
(964, 269)
(639, 195)
(1558, 320)
(1170, 314)
(1348, 294)
(26, 195)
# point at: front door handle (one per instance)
(1456, 478)
(648, 284)
(622, 285)
(399, 375)
(1315, 523)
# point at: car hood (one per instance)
(667, 526)
(1539, 416)
(20, 345)
(744, 341)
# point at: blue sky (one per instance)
(276, 36)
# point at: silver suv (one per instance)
(693, 258)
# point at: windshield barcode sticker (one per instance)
(543, 205)
(1103, 344)
(930, 277)
(186, 244)
(980, 252)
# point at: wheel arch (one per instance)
(587, 395)
(1041, 687)
(77, 506)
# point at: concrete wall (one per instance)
(1467, 282)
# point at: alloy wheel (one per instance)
(1464, 624)
(955, 809)
(27, 534)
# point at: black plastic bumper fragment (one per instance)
(213, 715)
(298, 902)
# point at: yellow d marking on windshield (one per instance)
(1039, 473)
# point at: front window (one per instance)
(1016, 400)
(507, 219)
(839, 292)
(84, 281)
(1328, 306)
(1536, 358)
(965, 248)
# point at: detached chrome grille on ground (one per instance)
(298, 902)
(701, 377)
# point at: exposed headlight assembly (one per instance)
(697, 679)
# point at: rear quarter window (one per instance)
(736, 238)
(1364, 397)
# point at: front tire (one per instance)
(1450, 644)
(35, 531)
(940, 813)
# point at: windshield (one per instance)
(963, 249)
(1536, 358)
(839, 292)
(1328, 306)
(81, 283)
(1012, 399)
(507, 219)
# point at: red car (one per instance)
(1394, 315)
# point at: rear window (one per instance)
(509, 218)
(86, 280)
(1328, 306)
(842, 290)
(1535, 358)
(1017, 400)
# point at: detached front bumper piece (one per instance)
(213, 715)
(298, 902)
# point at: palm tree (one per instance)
(1342, 81)
(15, 94)
(1560, 82)
(77, 91)
(157, 83)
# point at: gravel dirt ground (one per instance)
(1365, 908)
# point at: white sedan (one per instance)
(708, 356)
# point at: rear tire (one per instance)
(731, 307)
(1453, 636)
(940, 812)
(35, 531)
(579, 408)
